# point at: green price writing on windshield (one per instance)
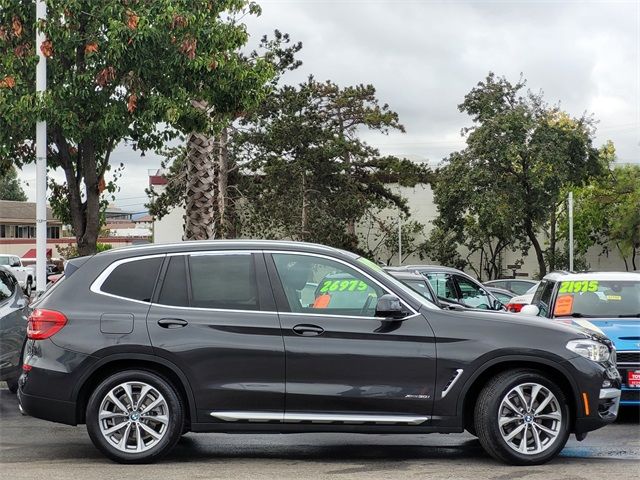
(343, 285)
(575, 286)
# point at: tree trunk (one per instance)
(624, 258)
(633, 258)
(224, 229)
(304, 218)
(199, 218)
(536, 246)
(552, 241)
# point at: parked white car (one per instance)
(26, 275)
(516, 303)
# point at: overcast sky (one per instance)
(423, 56)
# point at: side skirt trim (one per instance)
(230, 416)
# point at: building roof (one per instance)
(22, 212)
(145, 218)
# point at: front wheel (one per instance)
(135, 416)
(28, 289)
(522, 418)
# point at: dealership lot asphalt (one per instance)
(34, 449)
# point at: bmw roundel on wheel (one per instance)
(143, 344)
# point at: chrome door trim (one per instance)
(234, 416)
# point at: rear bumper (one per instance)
(47, 408)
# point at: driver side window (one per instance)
(320, 285)
(471, 294)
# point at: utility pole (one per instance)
(570, 208)
(41, 158)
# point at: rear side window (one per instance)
(134, 279)
(225, 281)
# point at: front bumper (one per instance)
(598, 396)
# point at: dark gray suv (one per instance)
(146, 343)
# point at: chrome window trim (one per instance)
(96, 286)
(285, 417)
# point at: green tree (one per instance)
(524, 152)
(118, 71)
(10, 188)
(380, 239)
(311, 177)
(607, 214)
(477, 216)
(203, 174)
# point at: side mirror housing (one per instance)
(389, 307)
(530, 310)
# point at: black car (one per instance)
(453, 287)
(14, 311)
(143, 344)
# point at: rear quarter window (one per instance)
(134, 279)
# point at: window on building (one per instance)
(53, 232)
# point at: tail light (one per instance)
(44, 323)
(515, 307)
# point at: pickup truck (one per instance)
(605, 302)
(26, 275)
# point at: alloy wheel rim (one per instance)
(530, 418)
(133, 417)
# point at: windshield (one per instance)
(598, 299)
(397, 283)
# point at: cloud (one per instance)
(424, 56)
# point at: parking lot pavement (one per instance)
(34, 449)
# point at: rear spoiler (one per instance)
(74, 264)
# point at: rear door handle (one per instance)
(308, 330)
(172, 322)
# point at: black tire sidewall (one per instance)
(500, 446)
(176, 416)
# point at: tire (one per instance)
(28, 289)
(12, 385)
(530, 444)
(164, 419)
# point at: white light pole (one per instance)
(41, 159)
(570, 208)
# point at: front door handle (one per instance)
(308, 330)
(172, 322)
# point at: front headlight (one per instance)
(596, 351)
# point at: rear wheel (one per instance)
(522, 418)
(135, 416)
(28, 289)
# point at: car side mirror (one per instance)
(389, 307)
(530, 310)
